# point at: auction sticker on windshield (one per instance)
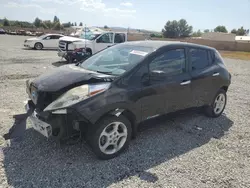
(136, 52)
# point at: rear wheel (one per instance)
(218, 105)
(110, 136)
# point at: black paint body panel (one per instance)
(136, 91)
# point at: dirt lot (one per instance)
(188, 150)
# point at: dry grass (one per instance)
(236, 55)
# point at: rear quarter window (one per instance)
(215, 57)
(199, 58)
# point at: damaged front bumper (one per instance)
(59, 124)
(40, 126)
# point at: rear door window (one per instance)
(106, 38)
(199, 58)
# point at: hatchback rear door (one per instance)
(204, 74)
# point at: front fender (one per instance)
(94, 113)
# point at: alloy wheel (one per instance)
(113, 138)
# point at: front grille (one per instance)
(63, 45)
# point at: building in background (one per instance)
(218, 36)
(245, 39)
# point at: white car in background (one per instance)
(48, 41)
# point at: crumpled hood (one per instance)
(66, 76)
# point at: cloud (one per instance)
(43, 10)
(99, 6)
(46, 1)
(126, 4)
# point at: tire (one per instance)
(38, 46)
(105, 133)
(218, 105)
(89, 52)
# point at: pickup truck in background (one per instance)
(76, 49)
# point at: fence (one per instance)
(219, 45)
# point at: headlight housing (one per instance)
(71, 46)
(76, 95)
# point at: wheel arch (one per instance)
(39, 43)
(129, 114)
(89, 50)
(225, 88)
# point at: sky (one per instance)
(140, 14)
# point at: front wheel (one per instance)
(38, 46)
(218, 105)
(110, 136)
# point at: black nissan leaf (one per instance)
(105, 97)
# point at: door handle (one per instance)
(185, 82)
(216, 74)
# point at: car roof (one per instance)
(158, 44)
(53, 34)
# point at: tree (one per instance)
(234, 31)
(80, 24)
(37, 22)
(105, 27)
(197, 34)
(220, 28)
(75, 24)
(47, 24)
(247, 31)
(66, 24)
(206, 31)
(6, 22)
(175, 29)
(72, 24)
(184, 29)
(241, 31)
(56, 19)
(57, 26)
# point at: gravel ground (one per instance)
(188, 150)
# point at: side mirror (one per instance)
(157, 75)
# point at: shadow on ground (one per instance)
(59, 63)
(39, 50)
(36, 162)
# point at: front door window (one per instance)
(106, 38)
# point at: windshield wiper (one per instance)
(105, 72)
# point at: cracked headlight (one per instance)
(76, 95)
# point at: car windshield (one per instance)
(117, 59)
(42, 36)
(89, 36)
